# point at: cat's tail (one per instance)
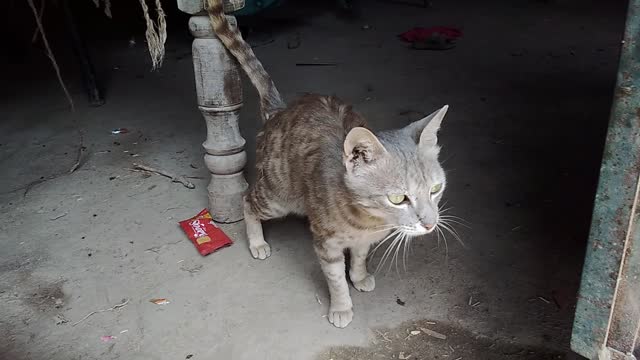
(270, 99)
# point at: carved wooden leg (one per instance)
(219, 91)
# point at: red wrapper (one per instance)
(204, 234)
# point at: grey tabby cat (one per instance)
(316, 158)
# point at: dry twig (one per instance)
(434, 334)
(173, 177)
(115, 307)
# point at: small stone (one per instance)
(59, 319)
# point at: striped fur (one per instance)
(270, 99)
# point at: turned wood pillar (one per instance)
(219, 95)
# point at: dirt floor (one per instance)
(529, 88)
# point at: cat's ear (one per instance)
(361, 146)
(424, 131)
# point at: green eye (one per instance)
(436, 189)
(397, 199)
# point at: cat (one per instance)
(317, 158)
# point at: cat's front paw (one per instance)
(261, 251)
(340, 319)
(366, 284)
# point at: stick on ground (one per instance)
(175, 178)
(115, 307)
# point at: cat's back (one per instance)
(301, 140)
(311, 116)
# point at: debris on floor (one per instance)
(317, 64)
(175, 178)
(204, 233)
(160, 301)
(107, 338)
(115, 307)
(460, 344)
(543, 299)
(60, 319)
(293, 42)
(434, 334)
(119, 131)
(58, 216)
(432, 38)
(400, 302)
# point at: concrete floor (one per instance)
(529, 87)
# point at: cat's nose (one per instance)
(427, 226)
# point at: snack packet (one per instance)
(204, 233)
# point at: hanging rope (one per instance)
(156, 34)
(50, 53)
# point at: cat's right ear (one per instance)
(361, 147)
(424, 131)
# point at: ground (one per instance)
(529, 88)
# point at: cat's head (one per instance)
(396, 175)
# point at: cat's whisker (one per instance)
(444, 238)
(392, 247)
(448, 224)
(402, 240)
(453, 217)
(393, 251)
(386, 253)
(454, 234)
(383, 228)
(372, 252)
(456, 220)
(407, 246)
(442, 209)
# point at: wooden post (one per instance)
(219, 95)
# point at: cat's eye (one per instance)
(397, 199)
(436, 189)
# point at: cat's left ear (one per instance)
(361, 147)
(424, 131)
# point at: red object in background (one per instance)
(205, 235)
(423, 34)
